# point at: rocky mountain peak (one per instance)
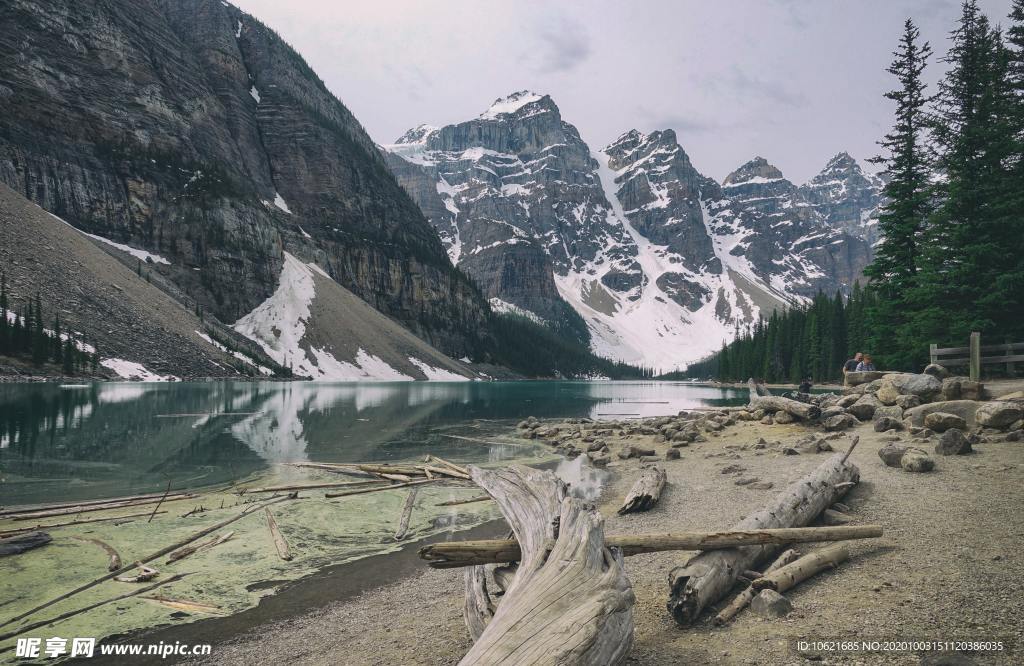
(417, 134)
(522, 103)
(846, 196)
(756, 170)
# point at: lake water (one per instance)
(60, 443)
(78, 442)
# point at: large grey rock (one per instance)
(858, 378)
(915, 460)
(962, 408)
(943, 421)
(891, 454)
(999, 414)
(890, 411)
(962, 388)
(835, 410)
(936, 370)
(953, 442)
(864, 408)
(907, 401)
(771, 604)
(840, 422)
(926, 387)
(886, 423)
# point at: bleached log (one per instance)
(709, 576)
(743, 599)
(452, 554)
(774, 403)
(646, 491)
(797, 572)
(279, 541)
(569, 601)
(115, 558)
(403, 521)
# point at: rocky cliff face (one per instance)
(188, 128)
(847, 197)
(662, 263)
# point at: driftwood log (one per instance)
(569, 601)
(761, 399)
(797, 572)
(743, 599)
(115, 558)
(709, 576)
(452, 554)
(645, 491)
(403, 521)
(15, 545)
(279, 541)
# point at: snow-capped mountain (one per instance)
(846, 196)
(662, 263)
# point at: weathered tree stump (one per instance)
(709, 576)
(569, 601)
(646, 491)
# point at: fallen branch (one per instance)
(771, 404)
(73, 510)
(709, 576)
(451, 554)
(145, 574)
(65, 505)
(22, 530)
(115, 558)
(85, 609)
(279, 542)
(182, 553)
(796, 572)
(645, 491)
(403, 522)
(461, 470)
(481, 498)
(15, 545)
(743, 599)
(187, 606)
(379, 488)
(160, 502)
(160, 553)
(308, 486)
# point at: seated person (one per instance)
(866, 365)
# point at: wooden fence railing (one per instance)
(977, 356)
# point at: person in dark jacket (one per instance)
(851, 365)
(805, 385)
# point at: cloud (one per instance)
(749, 89)
(563, 44)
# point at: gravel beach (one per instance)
(947, 569)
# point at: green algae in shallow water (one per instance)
(234, 575)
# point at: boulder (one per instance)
(886, 423)
(864, 408)
(840, 422)
(768, 420)
(936, 370)
(923, 386)
(890, 411)
(858, 378)
(891, 454)
(835, 410)
(953, 443)
(999, 414)
(784, 418)
(962, 388)
(771, 604)
(847, 400)
(908, 401)
(672, 454)
(943, 421)
(962, 408)
(888, 394)
(915, 460)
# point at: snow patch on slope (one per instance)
(437, 374)
(278, 325)
(510, 104)
(142, 255)
(132, 370)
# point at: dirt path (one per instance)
(948, 568)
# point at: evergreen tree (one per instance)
(5, 327)
(893, 271)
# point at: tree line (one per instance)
(951, 256)
(23, 336)
(809, 341)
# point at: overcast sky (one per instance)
(795, 81)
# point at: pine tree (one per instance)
(893, 271)
(966, 272)
(5, 326)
